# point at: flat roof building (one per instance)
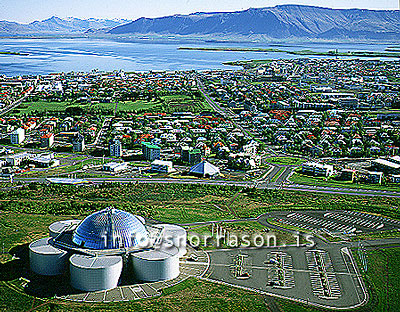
(17, 136)
(115, 166)
(151, 151)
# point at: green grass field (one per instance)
(286, 161)
(383, 284)
(168, 103)
(278, 174)
(300, 178)
(42, 106)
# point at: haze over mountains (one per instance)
(60, 25)
(280, 22)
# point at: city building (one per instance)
(387, 166)
(115, 166)
(78, 143)
(195, 156)
(317, 169)
(394, 178)
(115, 148)
(204, 169)
(162, 166)
(45, 160)
(185, 153)
(17, 136)
(347, 175)
(151, 151)
(47, 140)
(16, 159)
(375, 177)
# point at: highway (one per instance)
(259, 185)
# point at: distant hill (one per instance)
(59, 25)
(283, 21)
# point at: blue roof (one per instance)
(110, 229)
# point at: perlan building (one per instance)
(97, 250)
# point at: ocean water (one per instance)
(66, 55)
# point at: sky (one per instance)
(25, 11)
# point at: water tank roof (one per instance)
(61, 226)
(88, 262)
(43, 247)
(110, 229)
(157, 254)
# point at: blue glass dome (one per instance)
(110, 229)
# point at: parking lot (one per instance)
(280, 273)
(331, 280)
(323, 278)
(334, 222)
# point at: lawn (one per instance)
(139, 105)
(42, 106)
(383, 284)
(167, 104)
(62, 169)
(286, 161)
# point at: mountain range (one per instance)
(60, 25)
(283, 21)
(280, 22)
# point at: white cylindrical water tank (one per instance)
(176, 235)
(156, 265)
(60, 226)
(95, 273)
(141, 219)
(45, 259)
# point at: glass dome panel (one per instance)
(110, 229)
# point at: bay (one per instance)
(85, 54)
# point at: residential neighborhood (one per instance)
(327, 113)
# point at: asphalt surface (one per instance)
(344, 279)
(256, 184)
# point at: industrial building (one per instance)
(106, 245)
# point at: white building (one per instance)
(16, 159)
(162, 166)
(115, 167)
(17, 136)
(45, 160)
(317, 169)
(47, 140)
